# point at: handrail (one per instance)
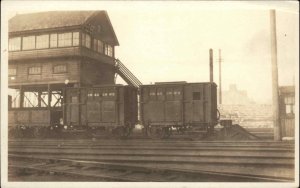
(126, 74)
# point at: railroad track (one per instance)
(271, 160)
(129, 172)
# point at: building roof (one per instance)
(54, 19)
(287, 89)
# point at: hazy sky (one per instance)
(170, 41)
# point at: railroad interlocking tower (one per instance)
(50, 51)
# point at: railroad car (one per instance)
(111, 108)
(180, 105)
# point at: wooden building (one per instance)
(50, 51)
(287, 111)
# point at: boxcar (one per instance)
(110, 108)
(179, 105)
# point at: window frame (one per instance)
(10, 75)
(73, 38)
(60, 72)
(36, 41)
(10, 40)
(34, 36)
(56, 41)
(64, 39)
(32, 74)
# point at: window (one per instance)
(34, 70)
(289, 100)
(196, 96)
(95, 44)
(64, 39)
(90, 94)
(86, 40)
(108, 50)
(104, 94)
(60, 69)
(31, 100)
(53, 40)
(14, 44)
(289, 105)
(15, 98)
(75, 38)
(100, 46)
(28, 43)
(12, 72)
(44, 99)
(42, 41)
(111, 94)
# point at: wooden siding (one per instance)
(287, 120)
(32, 117)
(58, 53)
(101, 110)
(94, 73)
(179, 109)
(46, 76)
(287, 127)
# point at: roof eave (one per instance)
(114, 34)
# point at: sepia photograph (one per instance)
(149, 94)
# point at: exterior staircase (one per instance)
(126, 74)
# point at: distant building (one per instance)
(235, 96)
(287, 110)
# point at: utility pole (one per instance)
(220, 78)
(276, 123)
(211, 70)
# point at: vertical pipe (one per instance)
(211, 69)
(277, 130)
(220, 78)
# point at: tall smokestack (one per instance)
(277, 131)
(220, 78)
(211, 68)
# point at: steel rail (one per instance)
(138, 167)
(144, 158)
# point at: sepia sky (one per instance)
(170, 41)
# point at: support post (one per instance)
(21, 97)
(276, 123)
(49, 96)
(211, 70)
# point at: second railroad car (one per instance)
(179, 105)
